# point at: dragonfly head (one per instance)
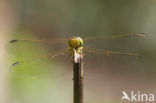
(75, 42)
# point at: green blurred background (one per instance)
(50, 80)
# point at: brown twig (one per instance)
(78, 80)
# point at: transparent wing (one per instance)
(36, 43)
(50, 55)
(38, 40)
(40, 66)
(107, 53)
(115, 37)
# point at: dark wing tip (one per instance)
(142, 34)
(13, 65)
(140, 56)
(13, 41)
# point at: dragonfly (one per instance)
(75, 46)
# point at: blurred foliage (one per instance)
(32, 79)
(91, 18)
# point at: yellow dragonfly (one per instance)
(76, 46)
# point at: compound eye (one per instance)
(74, 37)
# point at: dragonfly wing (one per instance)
(37, 40)
(39, 66)
(50, 55)
(107, 53)
(115, 37)
(35, 44)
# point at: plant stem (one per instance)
(78, 80)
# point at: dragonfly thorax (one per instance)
(75, 42)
